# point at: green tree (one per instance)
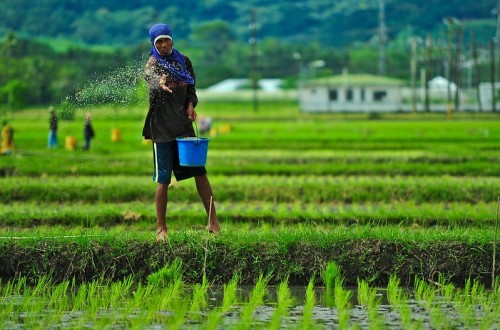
(215, 38)
(13, 93)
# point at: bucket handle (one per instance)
(196, 132)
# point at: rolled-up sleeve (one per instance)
(151, 74)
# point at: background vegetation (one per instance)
(49, 50)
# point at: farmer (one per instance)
(7, 144)
(52, 143)
(172, 99)
(88, 131)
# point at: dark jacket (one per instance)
(53, 123)
(88, 131)
(167, 117)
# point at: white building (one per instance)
(351, 93)
(231, 85)
(485, 93)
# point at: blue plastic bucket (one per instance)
(192, 151)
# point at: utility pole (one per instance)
(492, 74)
(382, 38)
(458, 67)
(498, 23)
(253, 59)
(428, 71)
(477, 71)
(413, 70)
(450, 21)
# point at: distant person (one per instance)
(7, 145)
(52, 143)
(172, 99)
(88, 131)
(205, 124)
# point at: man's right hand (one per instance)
(163, 81)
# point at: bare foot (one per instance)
(162, 235)
(214, 229)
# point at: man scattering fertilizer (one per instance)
(172, 99)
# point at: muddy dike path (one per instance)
(297, 258)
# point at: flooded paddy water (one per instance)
(243, 307)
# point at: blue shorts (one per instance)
(166, 161)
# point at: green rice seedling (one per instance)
(307, 314)
(473, 295)
(144, 305)
(41, 286)
(446, 290)
(256, 299)
(466, 302)
(284, 302)
(199, 299)
(331, 275)
(424, 294)
(368, 298)
(80, 298)
(490, 309)
(394, 292)
(436, 297)
(489, 321)
(170, 295)
(19, 286)
(30, 297)
(7, 304)
(407, 320)
(179, 310)
(438, 318)
(58, 297)
(397, 298)
(119, 290)
(466, 294)
(167, 275)
(140, 296)
(343, 304)
(229, 300)
(468, 315)
(477, 291)
(90, 298)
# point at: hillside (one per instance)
(331, 23)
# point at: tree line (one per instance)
(336, 23)
(34, 73)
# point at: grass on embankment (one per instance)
(105, 214)
(363, 252)
(276, 189)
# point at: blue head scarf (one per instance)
(174, 62)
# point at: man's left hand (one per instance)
(191, 112)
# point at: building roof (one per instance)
(355, 80)
(441, 84)
(229, 85)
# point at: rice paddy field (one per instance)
(329, 221)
